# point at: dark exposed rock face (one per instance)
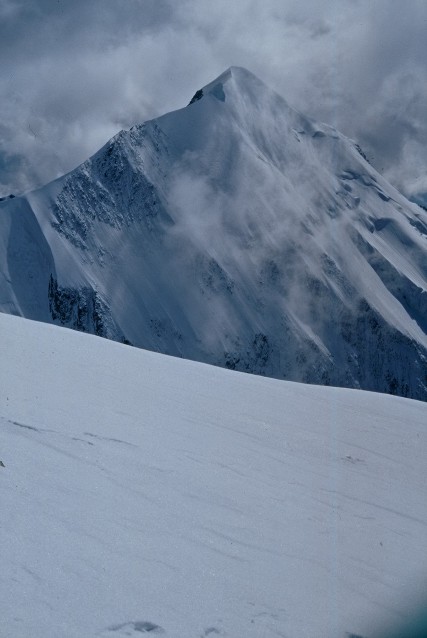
(82, 309)
(197, 96)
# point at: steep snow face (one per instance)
(141, 493)
(237, 232)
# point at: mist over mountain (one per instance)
(236, 232)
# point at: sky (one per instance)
(75, 73)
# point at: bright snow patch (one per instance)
(145, 494)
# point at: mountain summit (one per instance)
(237, 232)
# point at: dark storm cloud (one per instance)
(69, 80)
(74, 73)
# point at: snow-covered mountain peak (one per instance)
(235, 79)
(233, 231)
(248, 98)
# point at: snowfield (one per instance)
(145, 494)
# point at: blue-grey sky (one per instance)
(74, 73)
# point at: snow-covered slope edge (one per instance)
(145, 493)
(237, 232)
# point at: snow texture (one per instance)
(145, 494)
(236, 232)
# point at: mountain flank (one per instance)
(237, 232)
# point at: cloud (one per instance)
(73, 74)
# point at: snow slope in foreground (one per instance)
(143, 493)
